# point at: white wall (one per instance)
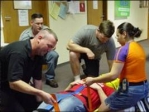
(65, 29)
(138, 17)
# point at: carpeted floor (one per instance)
(64, 75)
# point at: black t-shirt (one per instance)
(16, 63)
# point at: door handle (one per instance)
(7, 18)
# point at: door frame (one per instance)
(105, 9)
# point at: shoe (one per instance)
(52, 83)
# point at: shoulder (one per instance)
(122, 53)
(26, 34)
(28, 30)
(89, 27)
(44, 26)
(111, 40)
(124, 48)
(16, 47)
(87, 30)
(110, 43)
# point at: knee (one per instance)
(74, 56)
(52, 55)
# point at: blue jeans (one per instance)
(51, 59)
(121, 100)
(70, 104)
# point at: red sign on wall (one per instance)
(82, 7)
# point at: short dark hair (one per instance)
(36, 15)
(129, 29)
(107, 28)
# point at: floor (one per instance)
(64, 75)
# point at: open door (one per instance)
(11, 28)
(96, 12)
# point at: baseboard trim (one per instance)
(62, 64)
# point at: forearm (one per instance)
(76, 47)
(113, 74)
(110, 62)
(107, 77)
(102, 95)
(26, 88)
(23, 87)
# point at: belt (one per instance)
(137, 83)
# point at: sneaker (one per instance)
(52, 83)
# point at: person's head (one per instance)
(105, 31)
(44, 42)
(36, 22)
(126, 32)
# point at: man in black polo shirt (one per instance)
(19, 62)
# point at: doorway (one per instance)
(11, 29)
(96, 12)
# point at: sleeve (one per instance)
(111, 49)
(121, 54)
(38, 71)
(15, 68)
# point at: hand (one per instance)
(90, 54)
(89, 80)
(47, 98)
(77, 82)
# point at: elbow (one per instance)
(67, 47)
(12, 85)
(114, 76)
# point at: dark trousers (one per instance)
(92, 66)
(17, 102)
